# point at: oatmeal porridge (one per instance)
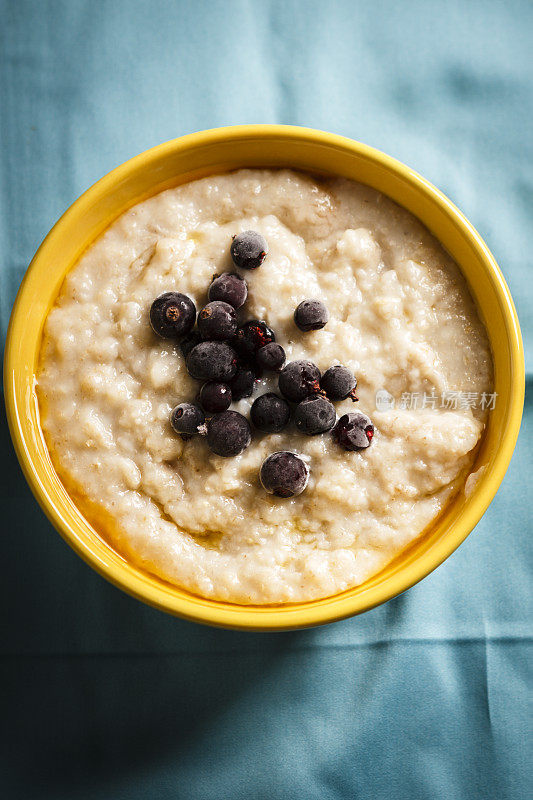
(396, 313)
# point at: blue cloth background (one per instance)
(425, 697)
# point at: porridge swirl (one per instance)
(400, 318)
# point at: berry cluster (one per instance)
(229, 358)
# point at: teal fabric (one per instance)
(423, 698)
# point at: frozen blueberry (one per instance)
(230, 288)
(270, 413)
(212, 361)
(284, 474)
(242, 385)
(354, 431)
(217, 321)
(186, 419)
(253, 335)
(188, 342)
(248, 250)
(228, 433)
(298, 380)
(271, 357)
(315, 415)
(215, 396)
(311, 315)
(338, 383)
(172, 314)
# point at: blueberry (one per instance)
(212, 361)
(172, 314)
(253, 335)
(215, 396)
(230, 288)
(228, 433)
(242, 385)
(311, 315)
(188, 342)
(271, 356)
(248, 250)
(314, 415)
(218, 321)
(338, 383)
(186, 419)
(270, 413)
(298, 380)
(354, 431)
(284, 474)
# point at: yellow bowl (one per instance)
(216, 151)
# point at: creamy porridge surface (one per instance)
(401, 318)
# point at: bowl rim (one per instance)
(336, 607)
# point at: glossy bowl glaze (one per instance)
(220, 150)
